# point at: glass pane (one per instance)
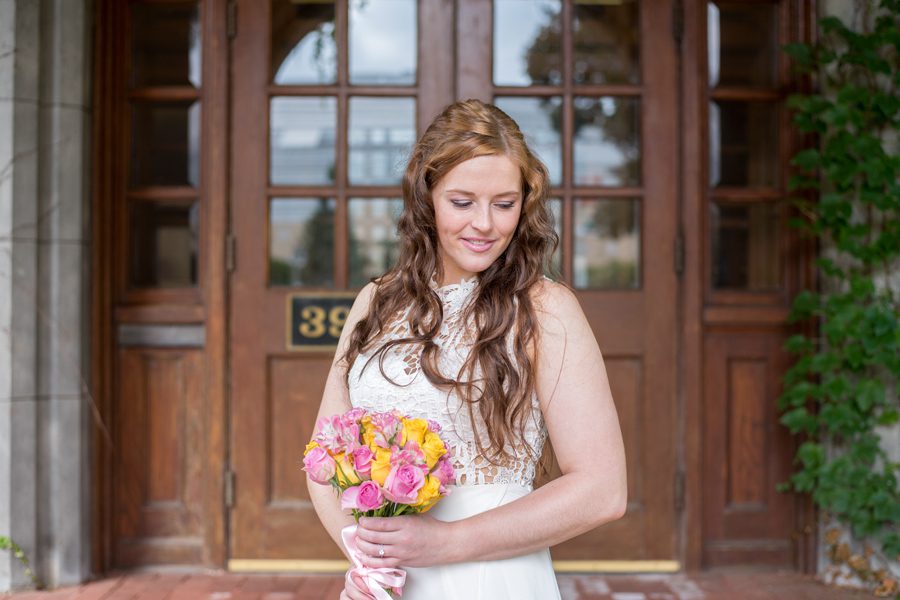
(743, 144)
(165, 48)
(607, 244)
(745, 246)
(383, 47)
(539, 120)
(556, 259)
(302, 140)
(165, 144)
(372, 245)
(163, 245)
(527, 42)
(607, 148)
(303, 46)
(381, 133)
(301, 241)
(607, 45)
(743, 44)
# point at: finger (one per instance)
(389, 562)
(382, 523)
(378, 537)
(373, 550)
(355, 588)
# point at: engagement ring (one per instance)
(380, 551)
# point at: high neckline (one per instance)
(455, 295)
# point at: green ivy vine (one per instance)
(843, 386)
(7, 544)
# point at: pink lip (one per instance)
(478, 247)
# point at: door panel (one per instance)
(313, 158)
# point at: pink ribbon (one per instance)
(376, 579)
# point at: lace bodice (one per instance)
(417, 397)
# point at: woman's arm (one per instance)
(581, 418)
(336, 400)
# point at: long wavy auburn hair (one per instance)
(493, 382)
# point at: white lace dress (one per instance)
(480, 485)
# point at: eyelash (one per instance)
(466, 203)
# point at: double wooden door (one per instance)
(327, 98)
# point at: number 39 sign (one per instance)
(315, 319)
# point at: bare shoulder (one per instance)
(547, 293)
(555, 303)
(361, 304)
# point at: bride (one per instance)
(467, 331)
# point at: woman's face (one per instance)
(476, 210)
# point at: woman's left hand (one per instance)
(408, 541)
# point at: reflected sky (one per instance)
(516, 25)
(383, 42)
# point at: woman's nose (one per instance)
(482, 219)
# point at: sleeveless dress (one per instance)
(480, 485)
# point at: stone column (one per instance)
(44, 286)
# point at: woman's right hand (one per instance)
(354, 588)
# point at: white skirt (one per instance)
(526, 577)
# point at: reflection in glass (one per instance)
(302, 140)
(607, 244)
(527, 42)
(607, 149)
(301, 241)
(381, 133)
(163, 245)
(743, 143)
(745, 246)
(383, 36)
(165, 143)
(165, 48)
(303, 46)
(555, 270)
(539, 119)
(372, 244)
(607, 45)
(743, 44)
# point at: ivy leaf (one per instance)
(868, 393)
(799, 419)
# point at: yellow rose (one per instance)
(310, 446)
(429, 494)
(381, 465)
(433, 448)
(345, 472)
(368, 434)
(414, 430)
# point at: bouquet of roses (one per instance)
(381, 464)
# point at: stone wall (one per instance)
(44, 286)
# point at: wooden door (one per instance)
(327, 97)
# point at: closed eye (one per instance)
(460, 203)
(505, 205)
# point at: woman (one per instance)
(467, 331)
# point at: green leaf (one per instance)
(799, 419)
(811, 454)
(808, 159)
(869, 393)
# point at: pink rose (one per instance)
(443, 470)
(362, 460)
(434, 426)
(403, 484)
(319, 465)
(364, 497)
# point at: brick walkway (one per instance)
(726, 585)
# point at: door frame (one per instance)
(216, 18)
